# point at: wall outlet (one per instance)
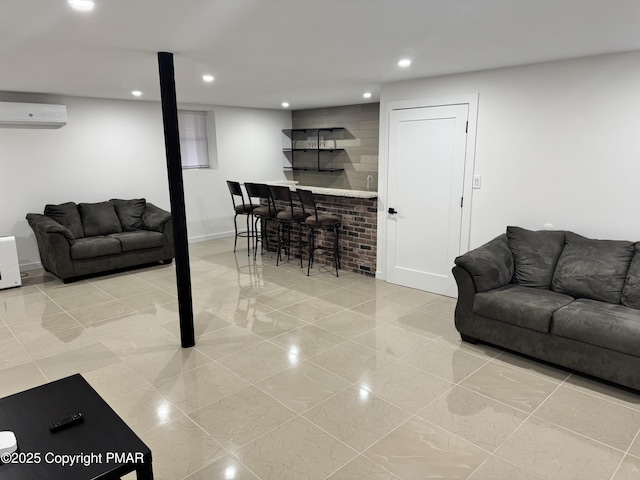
(477, 181)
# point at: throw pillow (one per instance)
(99, 218)
(631, 290)
(535, 254)
(130, 213)
(66, 214)
(594, 269)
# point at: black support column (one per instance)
(176, 193)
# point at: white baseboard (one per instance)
(27, 267)
(213, 236)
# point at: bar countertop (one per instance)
(340, 192)
(336, 192)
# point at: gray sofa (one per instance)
(555, 296)
(89, 238)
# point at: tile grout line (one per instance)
(626, 453)
(494, 453)
(532, 414)
(35, 361)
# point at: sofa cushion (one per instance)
(138, 240)
(614, 327)
(99, 218)
(130, 213)
(594, 269)
(66, 214)
(490, 265)
(522, 306)
(631, 290)
(535, 254)
(96, 246)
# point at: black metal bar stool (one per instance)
(261, 213)
(241, 207)
(316, 221)
(286, 218)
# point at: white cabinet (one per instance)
(9, 270)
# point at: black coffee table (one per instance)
(103, 444)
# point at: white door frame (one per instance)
(383, 168)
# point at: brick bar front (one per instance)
(358, 233)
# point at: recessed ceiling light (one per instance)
(136, 93)
(285, 104)
(207, 78)
(366, 94)
(81, 5)
(404, 63)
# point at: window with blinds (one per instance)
(194, 145)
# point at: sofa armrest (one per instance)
(154, 218)
(464, 306)
(54, 245)
(490, 266)
(46, 224)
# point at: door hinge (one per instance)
(461, 201)
(466, 129)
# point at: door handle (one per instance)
(392, 211)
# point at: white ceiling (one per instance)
(310, 53)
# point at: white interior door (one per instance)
(426, 171)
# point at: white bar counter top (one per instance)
(339, 192)
(335, 192)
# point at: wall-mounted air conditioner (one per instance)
(32, 115)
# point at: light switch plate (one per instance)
(477, 181)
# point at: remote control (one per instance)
(66, 422)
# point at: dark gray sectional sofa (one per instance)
(556, 296)
(88, 238)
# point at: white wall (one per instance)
(556, 143)
(249, 143)
(115, 149)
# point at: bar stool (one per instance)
(286, 218)
(316, 221)
(262, 213)
(241, 207)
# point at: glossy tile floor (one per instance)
(297, 377)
